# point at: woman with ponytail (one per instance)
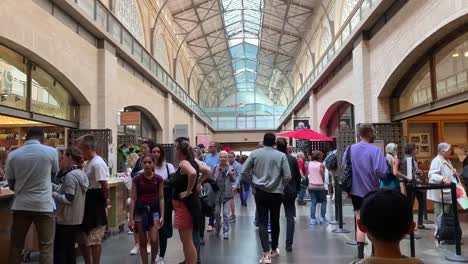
(187, 207)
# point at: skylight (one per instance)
(243, 23)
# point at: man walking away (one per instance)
(368, 164)
(97, 198)
(29, 172)
(290, 193)
(270, 173)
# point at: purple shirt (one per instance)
(368, 163)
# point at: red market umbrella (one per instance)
(306, 134)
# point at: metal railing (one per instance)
(107, 22)
(118, 32)
(340, 39)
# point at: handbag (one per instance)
(388, 180)
(445, 225)
(207, 197)
(346, 174)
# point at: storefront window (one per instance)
(452, 68)
(48, 97)
(13, 79)
(418, 90)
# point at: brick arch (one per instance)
(51, 67)
(330, 120)
(453, 24)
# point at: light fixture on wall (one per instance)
(455, 55)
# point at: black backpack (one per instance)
(331, 162)
(346, 175)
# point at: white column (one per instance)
(193, 128)
(169, 124)
(363, 109)
(314, 123)
(106, 116)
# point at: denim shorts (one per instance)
(138, 217)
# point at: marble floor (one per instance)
(312, 244)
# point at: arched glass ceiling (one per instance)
(243, 20)
(242, 45)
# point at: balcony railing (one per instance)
(118, 32)
(341, 38)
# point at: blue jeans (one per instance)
(318, 196)
(244, 195)
(301, 194)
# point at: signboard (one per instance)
(301, 124)
(130, 118)
(203, 139)
(180, 131)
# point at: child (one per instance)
(386, 218)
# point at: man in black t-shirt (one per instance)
(290, 192)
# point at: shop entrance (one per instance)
(13, 133)
(449, 125)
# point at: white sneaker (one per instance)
(265, 260)
(134, 250)
(275, 253)
(148, 248)
(161, 261)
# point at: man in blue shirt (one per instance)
(29, 171)
(212, 160)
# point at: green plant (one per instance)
(124, 151)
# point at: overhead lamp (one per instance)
(455, 55)
(466, 53)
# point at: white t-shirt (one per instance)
(96, 170)
(162, 171)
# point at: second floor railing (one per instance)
(340, 39)
(107, 22)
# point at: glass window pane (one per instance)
(418, 90)
(452, 68)
(87, 6)
(50, 97)
(146, 60)
(101, 15)
(355, 20)
(12, 79)
(127, 12)
(127, 41)
(137, 51)
(114, 28)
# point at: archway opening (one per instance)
(339, 115)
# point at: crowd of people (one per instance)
(66, 195)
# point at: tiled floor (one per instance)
(313, 244)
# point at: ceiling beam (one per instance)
(193, 6)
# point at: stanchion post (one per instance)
(411, 192)
(458, 254)
(339, 199)
(335, 222)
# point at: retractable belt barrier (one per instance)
(411, 188)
